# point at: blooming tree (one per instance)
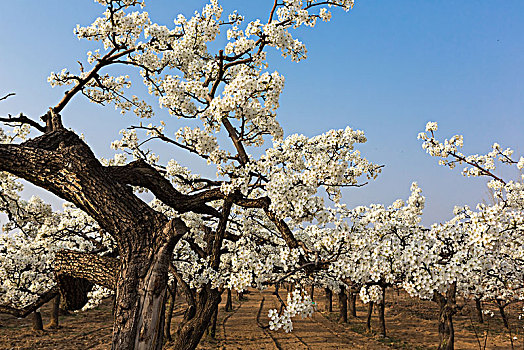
(249, 225)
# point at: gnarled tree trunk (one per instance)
(140, 301)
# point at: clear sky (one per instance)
(387, 68)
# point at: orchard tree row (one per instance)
(271, 215)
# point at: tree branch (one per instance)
(25, 311)
(140, 173)
(7, 96)
(101, 270)
(23, 120)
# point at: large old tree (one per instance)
(249, 225)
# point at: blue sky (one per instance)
(387, 68)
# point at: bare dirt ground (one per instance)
(411, 324)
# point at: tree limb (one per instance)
(25, 311)
(140, 173)
(23, 120)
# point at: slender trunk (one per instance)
(342, 305)
(329, 297)
(229, 302)
(447, 308)
(478, 306)
(37, 321)
(240, 296)
(502, 306)
(382, 313)
(312, 293)
(368, 318)
(352, 303)
(171, 307)
(55, 313)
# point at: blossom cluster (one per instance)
(298, 304)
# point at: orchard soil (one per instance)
(411, 324)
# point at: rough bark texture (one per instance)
(342, 305)
(101, 270)
(77, 272)
(447, 308)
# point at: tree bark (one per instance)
(447, 308)
(329, 300)
(343, 306)
(368, 318)
(37, 321)
(140, 300)
(229, 301)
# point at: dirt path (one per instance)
(411, 325)
(240, 329)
